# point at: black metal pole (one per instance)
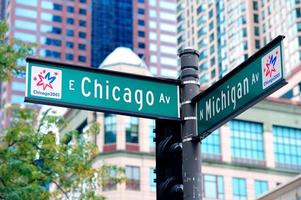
(191, 169)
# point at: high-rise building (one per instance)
(161, 37)
(60, 30)
(228, 32)
(147, 27)
(2, 9)
(112, 27)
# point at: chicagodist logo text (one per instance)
(271, 67)
(46, 82)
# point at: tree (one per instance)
(11, 53)
(34, 164)
(32, 159)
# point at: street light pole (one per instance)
(191, 168)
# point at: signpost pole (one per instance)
(191, 168)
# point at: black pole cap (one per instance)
(188, 51)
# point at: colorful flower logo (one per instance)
(45, 79)
(270, 65)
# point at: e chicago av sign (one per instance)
(101, 90)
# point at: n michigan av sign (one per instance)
(72, 86)
(251, 81)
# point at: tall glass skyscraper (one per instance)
(146, 26)
(112, 27)
(228, 32)
(2, 9)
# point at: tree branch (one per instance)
(11, 144)
(42, 120)
(58, 185)
(3, 182)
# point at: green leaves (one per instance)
(12, 53)
(31, 159)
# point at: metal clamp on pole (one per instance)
(191, 168)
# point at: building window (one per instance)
(141, 45)
(212, 61)
(110, 128)
(239, 190)
(256, 31)
(260, 187)
(69, 45)
(56, 30)
(255, 5)
(141, 22)
(213, 187)
(70, 21)
(57, 6)
(141, 33)
(82, 23)
(22, 12)
(287, 145)
(17, 86)
(109, 183)
(70, 9)
(152, 2)
(141, 11)
(151, 134)
(25, 25)
(69, 32)
(211, 25)
(257, 44)
(212, 49)
(56, 18)
(82, 59)
(30, 3)
(82, 35)
(256, 18)
(133, 178)
(211, 146)
(16, 99)
(82, 46)
(298, 12)
(247, 142)
(69, 56)
(131, 129)
(152, 177)
(25, 37)
(201, 8)
(211, 37)
(82, 11)
(50, 29)
(52, 54)
(210, 14)
(50, 41)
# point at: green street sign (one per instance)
(65, 85)
(251, 81)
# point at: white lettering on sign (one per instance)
(85, 79)
(71, 84)
(96, 89)
(116, 88)
(226, 98)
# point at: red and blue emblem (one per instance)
(270, 65)
(45, 79)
